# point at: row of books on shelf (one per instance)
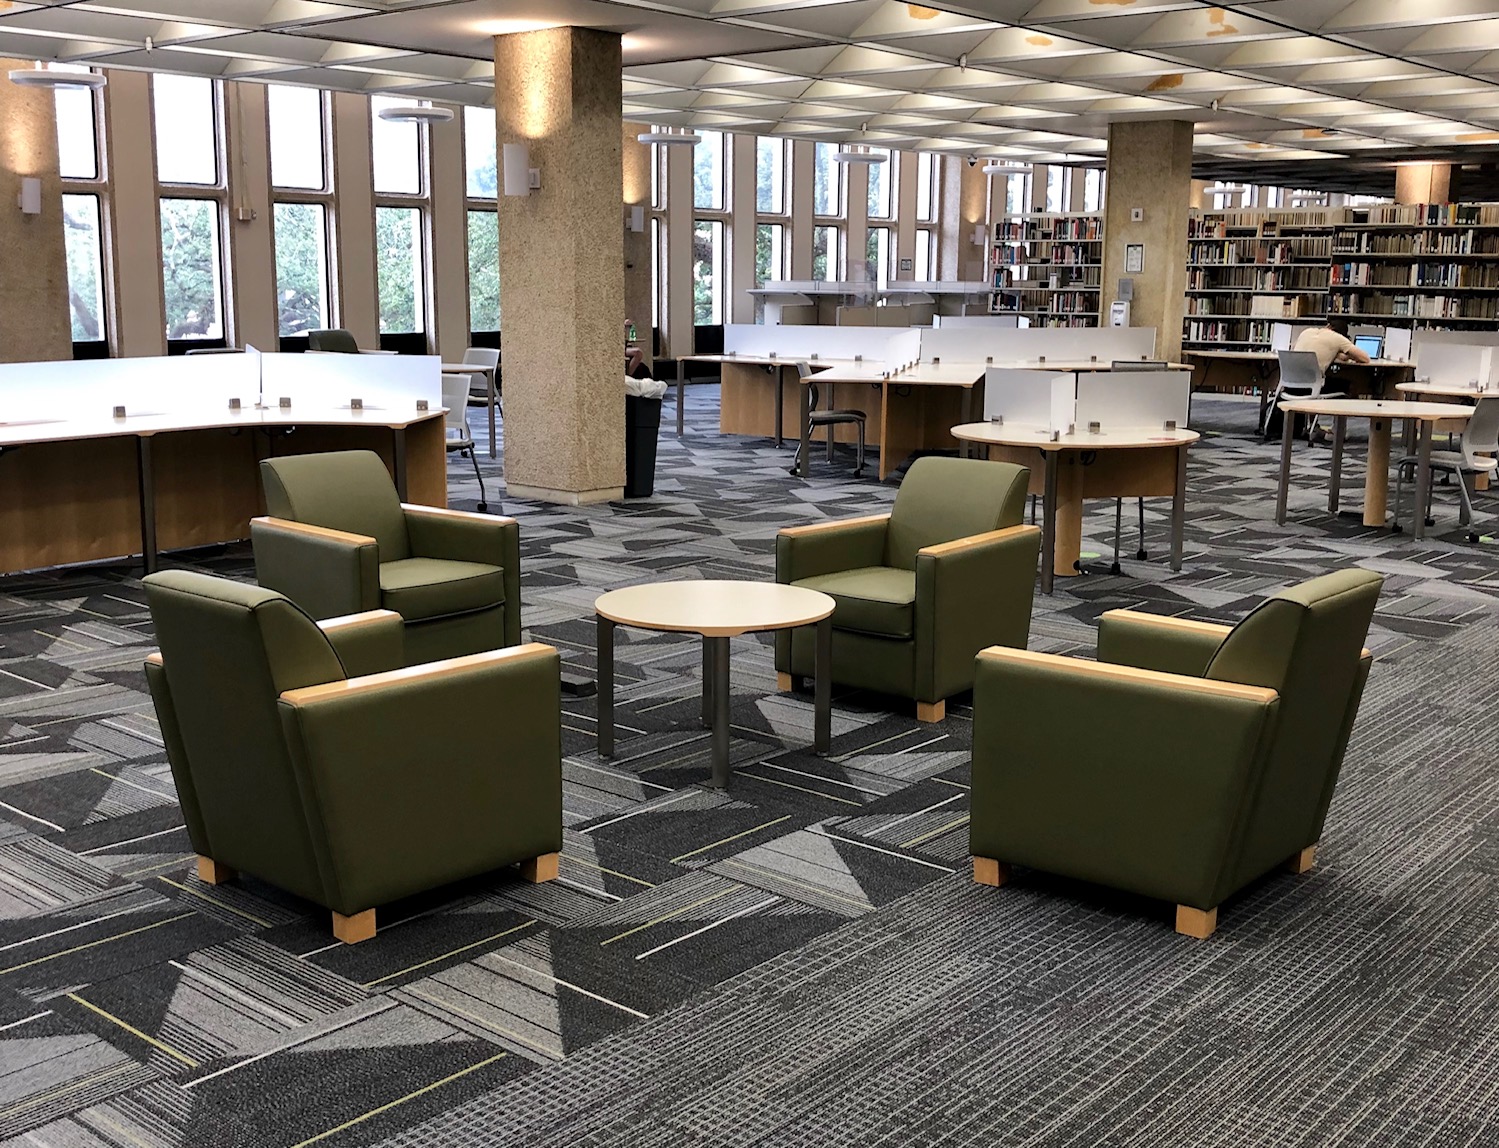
(1085, 228)
(1472, 276)
(1227, 331)
(1252, 278)
(1238, 251)
(1008, 279)
(1422, 243)
(1061, 254)
(1414, 306)
(1436, 214)
(1059, 302)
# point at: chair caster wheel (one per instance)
(1397, 529)
(483, 508)
(1115, 569)
(1141, 555)
(1474, 537)
(859, 472)
(1431, 522)
(791, 471)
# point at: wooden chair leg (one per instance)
(543, 868)
(988, 871)
(213, 872)
(1303, 861)
(931, 711)
(785, 683)
(352, 930)
(1199, 923)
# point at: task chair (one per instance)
(1475, 455)
(457, 436)
(478, 393)
(921, 590)
(828, 419)
(332, 339)
(1141, 553)
(301, 758)
(338, 540)
(1186, 762)
(1300, 377)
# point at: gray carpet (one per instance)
(801, 960)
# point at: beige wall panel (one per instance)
(447, 259)
(358, 307)
(252, 244)
(135, 237)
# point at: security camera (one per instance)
(973, 161)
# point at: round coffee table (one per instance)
(718, 611)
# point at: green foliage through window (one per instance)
(483, 271)
(398, 267)
(80, 218)
(190, 265)
(301, 267)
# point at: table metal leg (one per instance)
(399, 452)
(1049, 523)
(1335, 479)
(1179, 509)
(494, 401)
(1287, 435)
(822, 720)
(804, 456)
(148, 502)
(965, 413)
(1423, 474)
(606, 687)
(681, 397)
(780, 382)
(720, 712)
(707, 681)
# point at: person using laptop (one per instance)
(1331, 344)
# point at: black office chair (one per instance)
(828, 418)
(1141, 554)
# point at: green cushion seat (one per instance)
(418, 588)
(870, 599)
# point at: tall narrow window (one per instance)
(877, 256)
(708, 172)
(770, 175)
(658, 292)
(83, 237)
(400, 269)
(301, 267)
(191, 268)
(1056, 188)
(770, 259)
(827, 180)
(880, 181)
(825, 254)
(926, 256)
(1093, 189)
(296, 118)
(707, 272)
(483, 271)
(186, 118)
(1017, 193)
(77, 139)
(927, 172)
(479, 153)
(395, 150)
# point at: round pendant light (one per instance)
(859, 153)
(44, 77)
(1005, 167)
(416, 114)
(685, 137)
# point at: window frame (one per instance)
(99, 188)
(838, 183)
(327, 199)
(487, 205)
(410, 342)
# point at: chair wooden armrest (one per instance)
(1180, 625)
(323, 532)
(958, 545)
(460, 515)
(1110, 672)
(412, 675)
(824, 527)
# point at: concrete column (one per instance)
(905, 218)
(1150, 171)
(562, 288)
(856, 216)
(1423, 183)
(963, 201)
(637, 193)
(447, 254)
(135, 224)
(34, 267)
(251, 264)
(355, 292)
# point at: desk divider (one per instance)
(1030, 400)
(990, 321)
(330, 382)
(793, 343)
(1457, 364)
(87, 389)
(1133, 400)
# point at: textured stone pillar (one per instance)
(34, 321)
(562, 266)
(1150, 169)
(1423, 183)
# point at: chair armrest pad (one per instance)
(437, 532)
(827, 547)
(1133, 778)
(1157, 642)
(328, 573)
(367, 643)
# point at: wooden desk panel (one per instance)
(64, 502)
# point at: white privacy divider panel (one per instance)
(331, 382)
(1028, 344)
(1133, 400)
(877, 344)
(949, 321)
(92, 388)
(1034, 400)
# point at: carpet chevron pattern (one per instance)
(798, 960)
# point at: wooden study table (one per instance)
(1125, 463)
(1265, 367)
(1381, 414)
(84, 488)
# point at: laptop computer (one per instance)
(1371, 345)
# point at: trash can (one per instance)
(642, 429)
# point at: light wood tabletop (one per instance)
(715, 609)
(1444, 390)
(1120, 438)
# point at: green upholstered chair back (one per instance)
(943, 499)
(341, 490)
(229, 650)
(1306, 643)
(332, 339)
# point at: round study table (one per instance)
(718, 610)
(1380, 414)
(1127, 462)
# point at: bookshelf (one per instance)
(1247, 270)
(1046, 268)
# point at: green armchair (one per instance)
(920, 590)
(1188, 761)
(338, 541)
(302, 754)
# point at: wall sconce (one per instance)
(520, 176)
(980, 234)
(635, 218)
(30, 199)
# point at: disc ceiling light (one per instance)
(683, 138)
(42, 76)
(416, 114)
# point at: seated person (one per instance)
(1331, 344)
